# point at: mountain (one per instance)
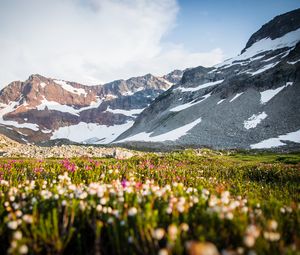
(249, 101)
(42, 109)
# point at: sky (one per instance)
(97, 41)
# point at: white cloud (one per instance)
(91, 41)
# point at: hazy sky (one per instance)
(95, 41)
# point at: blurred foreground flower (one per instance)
(202, 248)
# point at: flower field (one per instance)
(178, 203)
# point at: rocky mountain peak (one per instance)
(276, 28)
(42, 108)
(195, 74)
(174, 76)
(248, 101)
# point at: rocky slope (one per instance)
(249, 101)
(42, 109)
(10, 148)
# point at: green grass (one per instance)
(145, 205)
(291, 158)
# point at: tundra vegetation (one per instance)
(176, 203)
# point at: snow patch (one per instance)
(10, 108)
(236, 96)
(264, 68)
(22, 133)
(267, 95)
(91, 132)
(212, 71)
(70, 88)
(188, 105)
(46, 131)
(256, 58)
(293, 62)
(254, 120)
(52, 105)
(43, 84)
(110, 96)
(23, 139)
(172, 135)
(221, 101)
(94, 104)
(128, 93)
(288, 40)
(129, 113)
(202, 86)
(276, 142)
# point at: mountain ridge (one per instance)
(40, 107)
(248, 101)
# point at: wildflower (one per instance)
(4, 183)
(18, 213)
(13, 244)
(172, 231)
(229, 216)
(132, 211)
(99, 208)
(28, 218)
(272, 236)
(46, 194)
(83, 195)
(245, 209)
(12, 225)
(130, 239)
(184, 227)
(272, 225)
(124, 183)
(194, 199)
(253, 230)
(240, 250)
(82, 205)
(213, 201)
(158, 233)
(18, 235)
(23, 249)
(225, 197)
(180, 207)
(289, 209)
(249, 240)
(199, 248)
(103, 201)
(163, 252)
(169, 210)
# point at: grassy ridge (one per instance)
(171, 204)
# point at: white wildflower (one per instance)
(23, 249)
(132, 211)
(158, 233)
(12, 225)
